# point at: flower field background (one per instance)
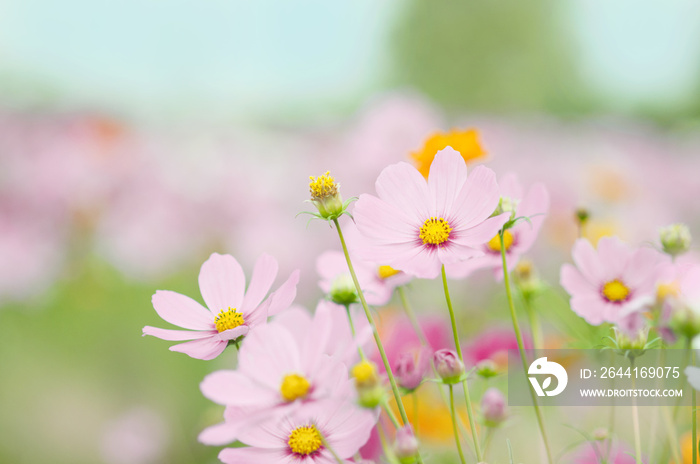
(118, 180)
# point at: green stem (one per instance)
(454, 426)
(694, 420)
(414, 397)
(391, 415)
(370, 320)
(535, 326)
(352, 329)
(412, 317)
(521, 347)
(487, 439)
(424, 342)
(635, 421)
(458, 347)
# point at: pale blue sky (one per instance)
(256, 56)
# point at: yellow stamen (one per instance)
(385, 272)
(322, 186)
(495, 243)
(228, 320)
(466, 142)
(615, 291)
(435, 231)
(294, 386)
(305, 440)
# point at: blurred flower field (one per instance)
(312, 233)
(97, 215)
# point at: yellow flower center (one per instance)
(666, 290)
(305, 440)
(435, 231)
(466, 142)
(495, 243)
(385, 272)
(228, 320)
(615, 291)
(364, 373)
(322, 186)
(294, 386)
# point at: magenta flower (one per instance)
(282, 367)
(611, 284)
(518, 239)
(298, 437)
(232, 311)
(417, 227)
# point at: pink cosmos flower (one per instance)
(417, 227)
(232, 312)
(518, 239)
(377, 282)
(282, 367)
(613, 283)
(298, 437)
(410, 370)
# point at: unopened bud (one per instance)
(493, 407)
(582, 215)
(448, 366)
(600, 434)
(486, 369)
(506, 205)
(675, 239)
(365, 374)
(343, 291)
(326, 196)
(406, 445)
(526, 279)
(409, 372)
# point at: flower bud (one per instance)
(600, 434)
(343, 291)
(448, 366)
(365, 374)
(409, 372)
(631, 343)
(526, 279)
(582, 215)
(367, 382)
(326, 196)
(406, 445)
(506, 205)
(487, 369)
(675, 239)
(493, 407)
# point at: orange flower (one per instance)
(466, 142)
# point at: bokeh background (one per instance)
(137, 137)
